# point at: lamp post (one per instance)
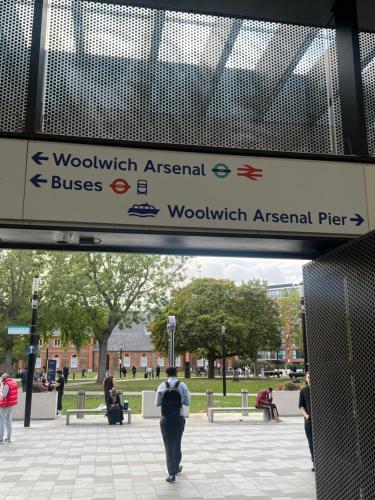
(33, 346)
(224, 371)
(171, 328)
(120, 361)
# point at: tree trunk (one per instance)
(211, 365)
(103, 345)
(8, 360)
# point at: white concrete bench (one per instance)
(242, 409)
(94, 411)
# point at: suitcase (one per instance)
(115, 415)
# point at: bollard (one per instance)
(210, 398)
(245, 401)
(80, 403)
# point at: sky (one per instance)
(274, 271)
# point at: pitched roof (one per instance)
(133, 339)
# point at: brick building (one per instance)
(134, 343)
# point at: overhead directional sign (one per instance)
(136, 187)
(18, 330)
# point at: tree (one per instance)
(17, 269)
(289, 304)
(95, 292)
(202, 307)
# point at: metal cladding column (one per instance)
(32, 352)
(350, 78)
(171, 328)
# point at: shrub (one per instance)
(289, 386)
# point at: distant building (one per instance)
(132, 344)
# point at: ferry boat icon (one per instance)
(143, 210)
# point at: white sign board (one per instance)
(18, 330)
(137, 187)
(13, 154)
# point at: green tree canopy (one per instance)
(290, 316)
(205, 305)
(94, 292)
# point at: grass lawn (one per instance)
(195, 384)
(198, 403)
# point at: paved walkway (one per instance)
(230, 459)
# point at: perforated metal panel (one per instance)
(16, 18)
(340, 319)
(140, 74)
(367, 47)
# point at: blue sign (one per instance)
(31, 349)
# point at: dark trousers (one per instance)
(172, 430)
(308, 432)
(59, 400)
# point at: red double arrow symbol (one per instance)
(250, 172)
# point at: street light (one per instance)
(120, 361)
(171, 328)
(33, 347)
(224, 363)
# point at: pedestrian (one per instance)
(8, 399)
(114, 408)
(59, 386)
(134, 370)
(171, 396)
(83, 372)
(305, 408)
(264, 400)
(24, 380)
(66, 373)
(124, 371)
(108, 384)
(149, 372)
(157, 371)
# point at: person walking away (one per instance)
(114, 409)
(24, 380)
(157, 371)
(134, 370)
(264, 400)
(124, 371)
(108, 384)
(305, 408)
(8, 399)
(83, 373)
(171, 396)
(66, 373)
(59, 386)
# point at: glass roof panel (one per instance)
(251, 42)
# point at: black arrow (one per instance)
(358, 219)
(38, 158)
(37, 181)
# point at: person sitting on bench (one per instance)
(114, 409)
(264, 400)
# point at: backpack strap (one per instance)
(177, 384)
(167, 385)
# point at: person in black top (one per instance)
(157, 371)
(59, 386)
(108, 384)
(134, 370)
(114, 409)
(66, 373)
(305, 409)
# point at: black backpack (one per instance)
(171, 402)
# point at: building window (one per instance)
(74, 361)
(126, 360)
(38, 362)
(57, 342)
(40, 342)
(160, 361)
(178, 361)
(57, 359)
(143, 360)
